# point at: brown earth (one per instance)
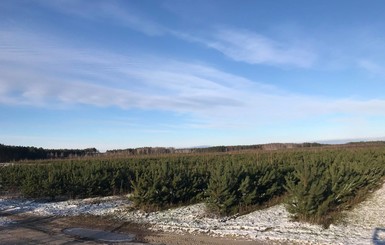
(28, 229)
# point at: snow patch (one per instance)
(91, 206)
(363, 225)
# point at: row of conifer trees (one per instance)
(316, 184)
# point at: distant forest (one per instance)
(17, 153)
(231, 148)
(212, 149)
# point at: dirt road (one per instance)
(28, 229)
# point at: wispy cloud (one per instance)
(371, 67)
(254, 48)
(239, 45)
(37, 72)
(108, 11)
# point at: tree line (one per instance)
(16, 153)
(210, 149)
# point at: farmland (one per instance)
(315, 184)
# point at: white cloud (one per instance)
(42, 71)
(253, 48)
(37, 72)
(257, 49)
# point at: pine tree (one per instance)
(222, 190)
(307, 189)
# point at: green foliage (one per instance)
(318, 182)
(167, 184)
(318, 190)
(235, 188)
(68, 179)
(223, 188)
(307, 189)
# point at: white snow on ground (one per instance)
(359, 226)
(92, 206)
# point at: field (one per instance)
(254, 195)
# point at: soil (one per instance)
(30, 229)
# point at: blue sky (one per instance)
(122, 74)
